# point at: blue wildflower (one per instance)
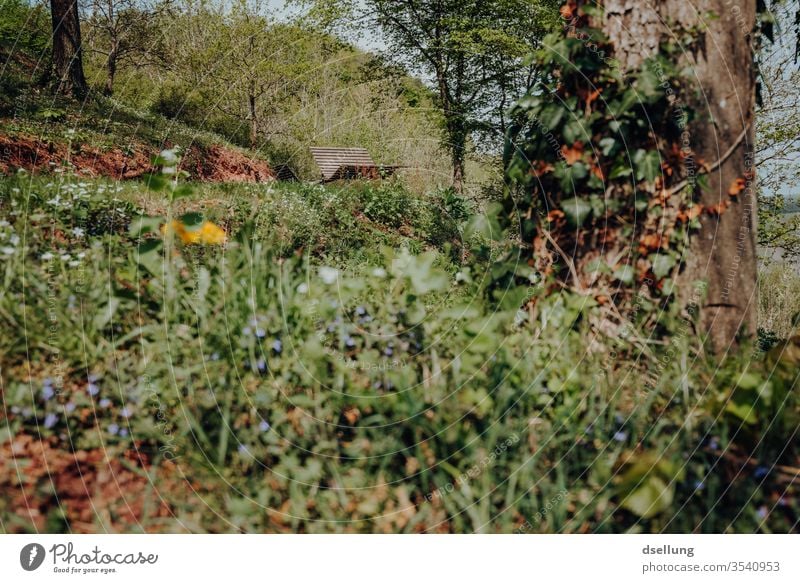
(246, 330)
(70, 407)
(277, 346)
(620, 436)
(263, 426)
(113, 429)
(762, 512)
(123, 432)
(93, 389)
(699, 485)
(48, 392)
(713, 443)
(760, 472)
(361, 310)
(125, 412)
(260, 332)
(262, 365)
(105, 403)
(50, 420)
(349, 342)
(388, 351)
(93, 378)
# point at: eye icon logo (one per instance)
(31, 556)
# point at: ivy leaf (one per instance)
(662, 264)
(576, 209)
(625, 274)
(553, 114)
(570, 175)
(607, 145)
(648, 165)
(648, 85)
(629, 99)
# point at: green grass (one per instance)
(324, 372)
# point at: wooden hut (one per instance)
(348, 163)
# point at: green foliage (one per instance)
(473, 50)
(372, 388)
(594, 160)
(23, 29)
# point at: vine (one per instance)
(601, 171)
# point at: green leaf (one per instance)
(182, 191)
(420, 271)
(648, 165)
(662, 264)
(744, 412)
(607, 145)
(576, 209)
(552, 115)
(154, 182)
(651, 498)
(625, 274)
(142, 225)
(104, 315)
(629, 99)
(192, 221)
(619, 170)
(148, 255)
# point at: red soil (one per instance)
(91, 488)
(208, 164)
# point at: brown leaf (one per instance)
(573, 154)
(737, 186)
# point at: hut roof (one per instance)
(337, 163)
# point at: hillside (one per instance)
(105, 138)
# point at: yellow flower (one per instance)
(207, 234)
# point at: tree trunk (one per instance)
(67, 50)
(722, 254)
(111, 72)
(458, 147)
(253, 121)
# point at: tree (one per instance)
(723, 250)
(124, 31)
(778, 139)
(67, 49)
(471, 51)
(633, 156)
(244, 64)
